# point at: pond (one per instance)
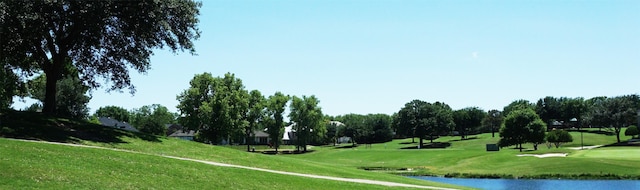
(534, 184)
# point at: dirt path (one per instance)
(353, 180)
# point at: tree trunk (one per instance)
(618, 134)
(49, 104)
(520, 147)
(247, 139)
(431, 138)
(493, 132)
(420, 145)
(53, 73)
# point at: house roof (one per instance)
(260, 134)
(336, 123)
(109, 122)
(180, 133)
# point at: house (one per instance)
(109, 122)
(261, 137)
(184, 135)
(172, 128)
(289, 135)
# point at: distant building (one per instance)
(184, 135)
(261, 137)
(172, 128)
(109, 122)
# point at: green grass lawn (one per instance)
(470, 157)
(28, 165)
(33, 165)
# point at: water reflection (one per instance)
(536, 184)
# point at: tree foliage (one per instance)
(103, 39)
(615, 113)
(71, 94)
(152, 119)
(492, 121)
(468, 120)
(632, 131)
(215, 107)
(307, 118)
(521, 126)
(517, 105)
(254, 115)
(353, 128)
(426, 119)
(557, 137)
(11, 86)
(114, 112)
(276, 105)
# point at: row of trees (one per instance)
(371, 128)
(221, 109)
(609, 113)
(151, 119)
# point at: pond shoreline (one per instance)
(585, 176)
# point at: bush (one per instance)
(557, 137)
(632, 131)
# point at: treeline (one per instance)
(521, 121)
(220, 109)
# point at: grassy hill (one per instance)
(36, 165)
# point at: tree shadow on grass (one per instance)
(624, 144)
(469, 138)
(273, 152)
(347, 146)
(40, 126)
(435, 145)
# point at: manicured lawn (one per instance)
(37, 126)
(469, 156)
(28, 165)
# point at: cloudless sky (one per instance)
(368, 56)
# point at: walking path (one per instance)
(353, 180)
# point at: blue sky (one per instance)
(374, 56)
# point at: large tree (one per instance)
(276, 104)
(254, 114)
(408, 118)
(215, 107)
(103, 39)
(380, 125)
(353, 128)
(114, 112)
(492, 121)
(521, 126)
(152, 119)
(616, 112)
(307, 118)
(468, 120)
(427, 119)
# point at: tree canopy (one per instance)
(215, 107)
(522, 126)
(102, 39)
(72, 95)
(276, 105)
(307, 118)
(114, 112)
(152, 119)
